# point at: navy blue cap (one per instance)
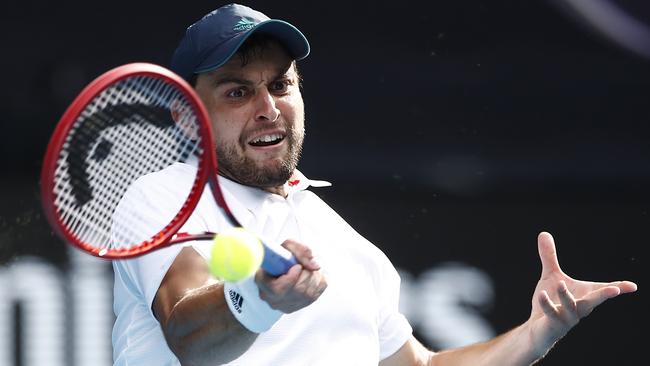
(211, 41)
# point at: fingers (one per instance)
(310, 284)
(278, 285)
(625, 286)
(292, 291)
(606, 291)
(547, 305)
(547, 254)
(595, 298)
(567, 310)
(303, 254)
(299, 287)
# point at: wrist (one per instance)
(537, 343)
(249, 309)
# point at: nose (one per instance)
(267, 110)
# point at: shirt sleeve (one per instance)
(394, 328)
(143, 211)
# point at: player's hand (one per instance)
(559, 301)
(300, 286)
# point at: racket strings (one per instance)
(126, 132)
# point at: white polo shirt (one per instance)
(355, 322)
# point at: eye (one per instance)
(280, 85)
(237, 93)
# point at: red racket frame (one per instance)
(207, 169)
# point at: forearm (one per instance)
(512, 348)
(196, 317)
(200, 329)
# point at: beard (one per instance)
(247, 171)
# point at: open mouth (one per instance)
(267, 140)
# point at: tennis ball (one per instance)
(236, 255)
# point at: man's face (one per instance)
(257, 116)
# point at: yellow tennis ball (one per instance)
(236, 255)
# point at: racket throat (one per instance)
(185, 237)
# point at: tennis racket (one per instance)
(130, 122)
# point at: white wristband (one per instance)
(251, 311)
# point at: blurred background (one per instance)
(453, 132)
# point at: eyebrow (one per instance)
(235, 79)
(227, 79)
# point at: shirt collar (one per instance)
(298, 182)
(239, 196)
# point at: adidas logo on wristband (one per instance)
(258, 316)
(236, 299)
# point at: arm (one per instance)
(198, 325)
(559, 302)
(193, 313)
(510, 348)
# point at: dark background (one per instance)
(452, 131)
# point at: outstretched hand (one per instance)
(559, 301)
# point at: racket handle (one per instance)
(276, 264)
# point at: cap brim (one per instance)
(295, 42)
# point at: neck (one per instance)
(280, 190)
(277, 190)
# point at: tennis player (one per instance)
(339, 305)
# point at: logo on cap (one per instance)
(243, 25)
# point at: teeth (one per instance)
(267, 138)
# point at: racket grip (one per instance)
(276, 264)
